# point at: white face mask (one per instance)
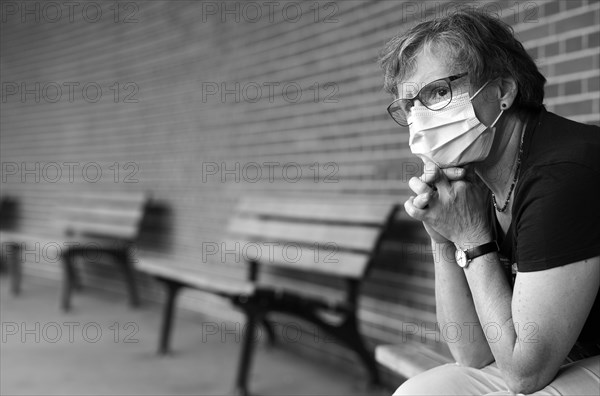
(452, 136)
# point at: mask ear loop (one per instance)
(479, 90)
(496, 120)
(477, 93)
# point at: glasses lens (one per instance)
(398, 111)
(436, 95)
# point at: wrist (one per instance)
(472, 241)
(464, 257)
(441, 243)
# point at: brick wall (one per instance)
(190, 100)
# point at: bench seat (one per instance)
(209, 283)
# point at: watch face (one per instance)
(461, 258)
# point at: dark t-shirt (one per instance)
(556, 208)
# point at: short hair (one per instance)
(471, 41)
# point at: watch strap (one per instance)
(482, 249)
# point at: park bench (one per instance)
(91, 225)
(336, 239)
(420, 345)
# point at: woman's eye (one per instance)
(441, 93)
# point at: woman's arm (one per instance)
(454, 302)
(531, 330)
(455, 309)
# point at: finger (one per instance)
(412, 210)
(418, 186)
(442, 180)
(422, 200)
(454, 174)
(431, 173)
(470, 174)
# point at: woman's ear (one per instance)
(508, 92)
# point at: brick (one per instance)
(551, 49)
(573, 4)
(594, 40)
(576, 21)
(575, 108)
(574, 44)
(551, 8)
(533, 52)
(593, 84)
(551, 91)
(573, 87)
(534, 33)
(574, 65)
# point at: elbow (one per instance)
(525, 384)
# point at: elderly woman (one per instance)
(510, 198)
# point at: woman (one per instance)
(505, 182)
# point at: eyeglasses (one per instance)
(435, 96)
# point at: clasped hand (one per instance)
(451, 205)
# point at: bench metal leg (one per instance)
(270, 331)
(68, 279)
(129, 274)
(76, 283)
(245, 363)
(347, 331)
(168, 311)
(13, 259)
(356, 342)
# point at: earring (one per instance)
(503, 105)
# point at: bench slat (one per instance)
(103, 213)
(347, 211)
(113, 197)
(126, 232)
(324, 259)
(27, 238)
(358, 238)
(114, 215)
(209, 283)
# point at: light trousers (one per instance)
(578, 378)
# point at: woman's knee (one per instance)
(454, 379)
(448, 379)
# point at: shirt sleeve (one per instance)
(557, 217)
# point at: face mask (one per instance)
(452, 136)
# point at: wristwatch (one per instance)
(464, 257)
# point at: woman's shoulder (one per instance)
(561, 164)
(556, 140)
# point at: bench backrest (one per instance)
(102, 214)
(336, 238)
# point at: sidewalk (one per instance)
(104, 347)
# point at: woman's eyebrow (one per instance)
(409, 89)
(412, 88)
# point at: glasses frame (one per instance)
(418, 95)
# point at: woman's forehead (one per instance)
(427, 67)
